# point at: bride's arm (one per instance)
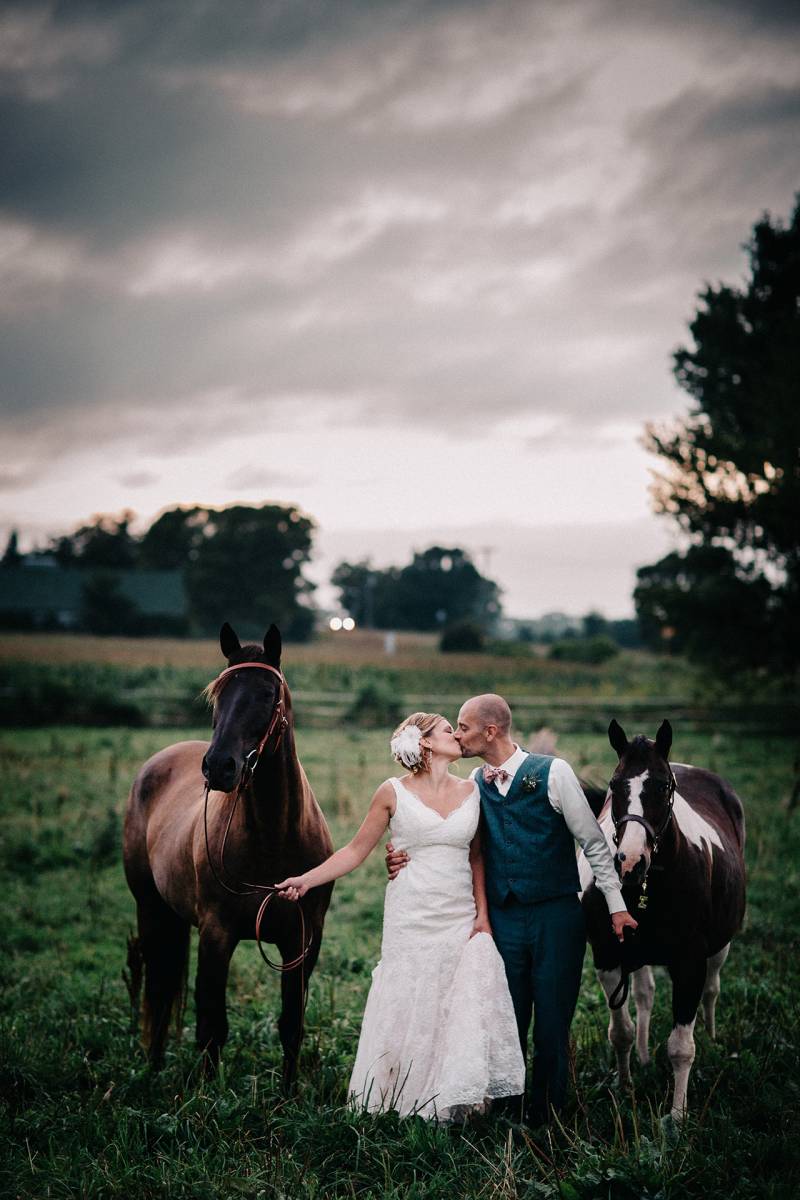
(479, 887)
(350, 856)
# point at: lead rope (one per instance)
(622, 986)
(253, 889)
(281, 968)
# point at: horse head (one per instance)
(641, 789)
(249, 698)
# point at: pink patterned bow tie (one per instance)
(495, 774)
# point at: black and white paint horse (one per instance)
(677, 835)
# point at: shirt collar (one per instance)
(515, 761)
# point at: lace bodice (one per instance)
(415, 824)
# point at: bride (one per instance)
(439, 1037)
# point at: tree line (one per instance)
(241, 564)
(245, 564)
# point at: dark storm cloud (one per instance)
(255, 477)
(138, 479)
(239, 213)
(12, 479)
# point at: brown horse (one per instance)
(201, 854)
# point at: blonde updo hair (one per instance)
(425, 723)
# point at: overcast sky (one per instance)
(416, 267)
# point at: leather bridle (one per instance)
(278, 724)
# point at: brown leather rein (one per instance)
(278, 725)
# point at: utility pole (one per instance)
(485, 553)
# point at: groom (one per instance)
(533, 811)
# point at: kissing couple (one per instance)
(482, 924)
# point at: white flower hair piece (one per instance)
(405, 746)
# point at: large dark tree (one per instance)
(241, 564)
(367, 594)
(731, 471)
(439, 586)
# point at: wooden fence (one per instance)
(584, 715)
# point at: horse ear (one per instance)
(616, 735)
(228, 641)
(664, 740)
(272, 646)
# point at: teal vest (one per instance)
(528, 851)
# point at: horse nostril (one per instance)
(620, 857)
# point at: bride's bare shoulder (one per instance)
(463, 787)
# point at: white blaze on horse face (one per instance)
(633, 843)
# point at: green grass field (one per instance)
(83, 1116)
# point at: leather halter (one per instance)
(620, 994)
(654, 837)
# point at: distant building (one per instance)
(40, 594)
(538, 629)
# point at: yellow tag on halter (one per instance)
(643, 897)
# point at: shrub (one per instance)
(593, 650)
(376, 705)
(462, 635)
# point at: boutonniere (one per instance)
(530, 782)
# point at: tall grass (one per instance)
(83, 1116)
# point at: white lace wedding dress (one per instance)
(439, 1036)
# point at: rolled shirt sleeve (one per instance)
(566, 797)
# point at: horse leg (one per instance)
(164, 946)
(215, 948)
(644, 990)
(711, 988)
(620, 1026)
(687, 989)
(294, 990)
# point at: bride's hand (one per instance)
(292, 888)
(481, 926)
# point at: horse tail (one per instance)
(164, 941)
(733, 807)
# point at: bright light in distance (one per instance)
(348, 623)
(336, 623)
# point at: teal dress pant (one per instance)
(542, 946)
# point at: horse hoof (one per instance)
(671, 1127)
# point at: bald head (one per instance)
(483, 729)
(490, 709)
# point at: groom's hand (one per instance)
(395, 860)
(622, 921)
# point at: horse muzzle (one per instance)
(221, 771)
(631, 870)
